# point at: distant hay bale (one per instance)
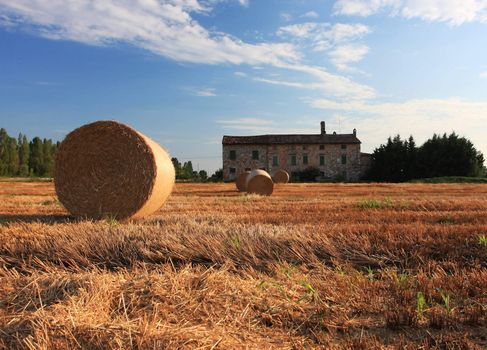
(281, 177)
(107, 169)
(260, 182)
(241, 181)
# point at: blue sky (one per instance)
(186, 72)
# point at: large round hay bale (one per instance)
(107, 169)
(281, 177)
(260, 182)
(241, 181)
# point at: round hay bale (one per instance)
(241, 181)
(107, 169)
(281, 177)
(260, 182)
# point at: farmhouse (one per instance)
(337, 156)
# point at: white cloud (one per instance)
(345, 54)
(483, 75)
(328, 83)
(245, 121)
(454, 12)
(261, 126)
(240, 74)
(244, 3)
(324, 35)
(419, 117)
(339, 38)
(286, 16)
(206, 92)
(165, 28)
(253, 125)
(311, 14)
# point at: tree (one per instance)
(393, 161)
(177, 167)
(36, 162)
(217, 176)
(48, 153)
(203, 175)
(9, 161)
(187, 171)
(23, 155)
(450, 155)
(439, 156)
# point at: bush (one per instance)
(309, 174)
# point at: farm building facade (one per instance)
(337, 156)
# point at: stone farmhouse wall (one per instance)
(332, 168)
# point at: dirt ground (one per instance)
(345, 266)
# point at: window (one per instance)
(322, 147)
(305, 159)
(293, 159)
(344, 159)
(344, 146)
(233, 154)
(322, 174)
(233, 170)
(255, 155)
(247, 169)
(275, 161)
(305, 147)
(322, 159)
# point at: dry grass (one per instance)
(313, 266)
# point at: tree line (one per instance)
(23, 157)
(185, 172)
(442, 155)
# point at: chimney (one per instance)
(354, 132)
(323, 129)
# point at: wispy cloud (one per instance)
(339, 39)
(483, 75)
(453, 12)
(165, 28)
(286, 16)
(343, 55)
(206, 92)
(240, 74)
(46, 83)
(419, 117)
(310, 14)
(244, 3)
(262, 126)
(324, 35)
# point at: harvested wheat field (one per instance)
(327, 266)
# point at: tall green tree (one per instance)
(393, 161)
(177, 167)
(187, 170)
(23, 155)
(9, 161)
(36, 160)
(48, 152)
(449, 155)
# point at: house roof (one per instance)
(291, 139)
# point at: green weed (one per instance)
(372, 203)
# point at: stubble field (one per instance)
(354, 266)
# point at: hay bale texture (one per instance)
(281, 177)
(259, 182)
(107, 169)
(241, 181)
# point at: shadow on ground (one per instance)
(46, 219)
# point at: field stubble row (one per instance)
(345, 266)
